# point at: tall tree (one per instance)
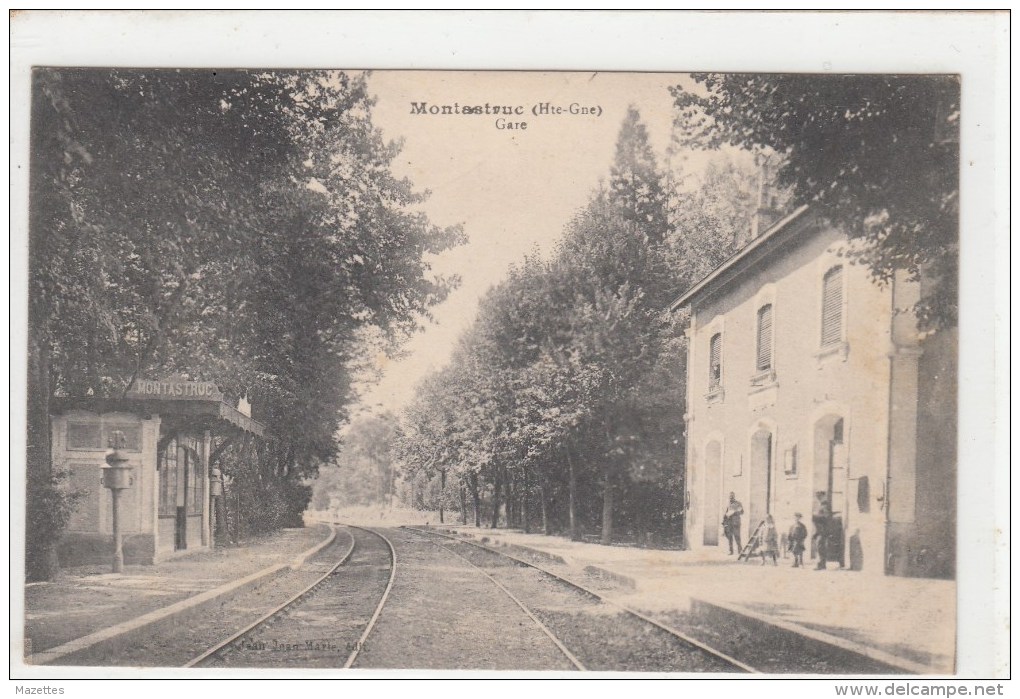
(620, 290)
(635, 181)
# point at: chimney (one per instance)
(766, 213)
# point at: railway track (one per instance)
(545, 629)
(326, 623)
(444, 613)
(592, 630)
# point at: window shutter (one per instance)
(765, 338)
(832, 306)
(715, 361)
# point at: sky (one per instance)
(512, 190)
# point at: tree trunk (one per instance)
(495, 501)
(545, 510)
(524, 504)
(40, 542)
(220, 536)
(238, 515)
(477, 499)
(607, 504)
(572, 499)
(442, 492)
(463, 503)
(507, 501)
(511, 500)
(390, 487)
(417, 494)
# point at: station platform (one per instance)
(87, 603)
(909, 623)
(906, 622)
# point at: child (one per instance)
(796, 538)
(770, 541)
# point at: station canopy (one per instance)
(181, 405)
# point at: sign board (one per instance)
(175, 389)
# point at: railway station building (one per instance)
(172, 431)
(807, 376)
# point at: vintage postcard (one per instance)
(342, 366)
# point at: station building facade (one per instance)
(805, 375)
(171, 431)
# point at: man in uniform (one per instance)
(820, 516)
(731, 522)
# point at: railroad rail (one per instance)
(306, 593)
(545, 629)
(382, 601)
(684, 638)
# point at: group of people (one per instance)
(766, 539)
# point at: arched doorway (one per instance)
(760, 478)
(712, 514)
(830, 477)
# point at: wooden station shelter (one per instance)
(172, 431)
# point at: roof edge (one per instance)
(737, 257)
(205, 408)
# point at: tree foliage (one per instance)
(240, 227)
(362, 473)
(713, 212)
(564, 401)
(878, 154)
(635, 181)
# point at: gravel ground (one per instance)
(86, 599)
(605, 639)
(443, 614)
(174, 642)
(853, 606)
(600, 635)
(322, 629)
(771, 652)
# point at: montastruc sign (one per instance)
(175, 389)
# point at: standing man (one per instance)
(820, 514)
(731, 522)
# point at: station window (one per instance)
(764, 354)
(715, 361)
(832, 306)
(84, 435)
(168, 474)
(196, 483)
(98, 435)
